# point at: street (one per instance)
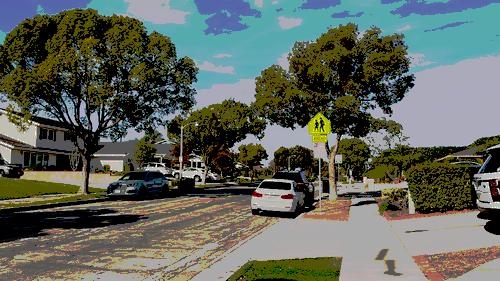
(172, 238)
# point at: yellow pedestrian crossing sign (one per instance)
(319, 125)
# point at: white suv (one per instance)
(487, 183)
(196, 174)
(159, 167)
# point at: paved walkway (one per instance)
(372, 250)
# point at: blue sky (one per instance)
(454, 47)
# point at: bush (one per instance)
(396, 198)
(185, 184)
(441, 187)
(106, 169)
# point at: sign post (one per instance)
(319, 127)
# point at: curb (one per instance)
(51, 205)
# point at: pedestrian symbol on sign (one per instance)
(319, 125)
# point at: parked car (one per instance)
(139, 184)
(474, 165)
(487, 183)
(196, 174)
(10, 170)
(302, 181)
(159, 167)
(277, 195)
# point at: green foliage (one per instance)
(126, 168)
(144, 151)
(221, 126)
(355, 155)
(251, 155)
(301, 157)
(106, 169)
(441, 187)
(184, 184)
(125, 78)
(396, 198)
(343, 76)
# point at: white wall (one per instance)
(116, 165)
(6, 153)
(11, 131)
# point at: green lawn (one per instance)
(293, 269)
(14, 188)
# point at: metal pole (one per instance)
(180, 160)
(320, 184)
(288, 163)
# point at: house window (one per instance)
(51, 135)
(44, 134)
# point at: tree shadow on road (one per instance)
(15, 226)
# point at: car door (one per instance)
(299, 191)
(149, 182)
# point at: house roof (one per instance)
(467, 153)
(41, 120)
(127, 147)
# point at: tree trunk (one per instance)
(331, 168)
(84, 188)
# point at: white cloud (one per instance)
(283, 61)
(258, 3)
(275, 2)
(155, 11)
(451, 105)
(286, 23)
(208, 66)
(242, 91)
(404, 28)
(418, 60)
(222, 55)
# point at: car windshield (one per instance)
(275, 185)
(491, 165)
(289, 176)
(3, 162)
(134, 176)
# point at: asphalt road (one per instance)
(172, 238)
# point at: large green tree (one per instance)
(97, 75)
(251, 155)
(220, 127)
(355, 154)
(144, 151)
(342, 74)
(300, 157)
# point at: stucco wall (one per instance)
(66, 176)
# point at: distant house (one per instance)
(46, 142)
(470, 154)
(118, 154)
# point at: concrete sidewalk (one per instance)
(373, 251)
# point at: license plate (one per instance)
(117, 191)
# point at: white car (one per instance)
(487, 183)
(158, 167)
(278, 195)
(196, 174)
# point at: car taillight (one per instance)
(256, 194)
(493, 183)
(288, 196)
(495, 191)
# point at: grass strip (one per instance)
(55, 200)
(326, 268)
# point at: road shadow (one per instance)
(365, 202)
(18, 225)
(212, 192)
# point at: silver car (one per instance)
(139, 184)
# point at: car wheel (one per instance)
(141, 194)
(197, 178)
(1, 174)
(176, 176)
(255, 211)
(164, 190)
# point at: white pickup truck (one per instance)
(196, 174)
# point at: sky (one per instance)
(454, 49)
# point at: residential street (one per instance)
(171, 238)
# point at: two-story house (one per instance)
(46, 142)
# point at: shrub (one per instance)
(106, 169)
(396, 198)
